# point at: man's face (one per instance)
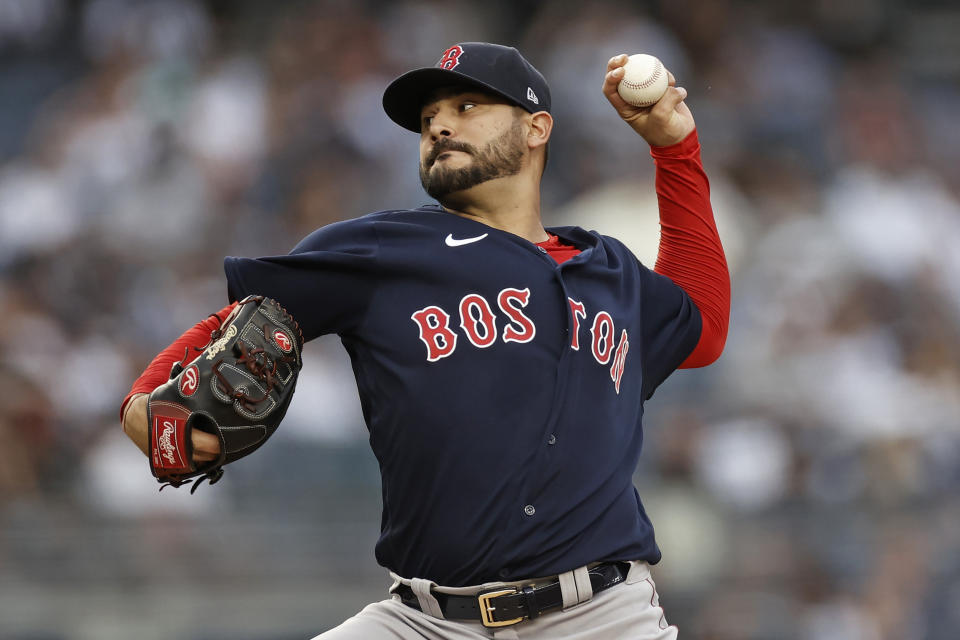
(467, 138)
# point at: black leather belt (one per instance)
(508, 605)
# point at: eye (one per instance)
(467, 105)
(427, 120)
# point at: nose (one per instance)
(441, 126)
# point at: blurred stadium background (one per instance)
(805, 487)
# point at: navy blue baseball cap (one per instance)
(491, 67)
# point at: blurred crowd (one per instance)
(804, 487)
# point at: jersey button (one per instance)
(552, 439)
(542, 250)
(529, 510)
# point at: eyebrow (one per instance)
(455, 91)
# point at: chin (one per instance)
(449, 198)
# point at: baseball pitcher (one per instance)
(502, 366)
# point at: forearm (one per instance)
(133, 410)
(134, 420)
(690, 252)
(192, 340)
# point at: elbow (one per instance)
(706, 353)
(713, 338)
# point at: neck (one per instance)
(510, 204)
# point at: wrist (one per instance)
(689, 144)
(130, 400)
(135, 423)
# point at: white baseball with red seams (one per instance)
(644, 80)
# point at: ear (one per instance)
(541, 125)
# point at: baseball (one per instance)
(644, 80)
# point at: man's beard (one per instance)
(498, 159)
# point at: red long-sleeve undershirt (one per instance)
(690, 252)
(158, 371)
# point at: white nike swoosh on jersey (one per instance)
(454, 242)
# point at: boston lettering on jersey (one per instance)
(479, 323)
(491, 379)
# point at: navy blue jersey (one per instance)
(503, 392)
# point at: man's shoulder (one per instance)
(364, 229)
(394, 213)
(420, 213)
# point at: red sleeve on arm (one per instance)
(690, 251)
(194, 338)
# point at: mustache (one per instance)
(445, 145)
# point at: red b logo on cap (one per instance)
(451, 57)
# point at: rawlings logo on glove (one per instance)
(166, 446)
(237, 389)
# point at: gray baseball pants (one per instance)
(627, 611)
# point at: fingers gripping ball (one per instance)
(237, 389)
(644, 80)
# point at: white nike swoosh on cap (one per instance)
(454, 242)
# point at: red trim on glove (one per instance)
(194, 338)
(690, 250)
